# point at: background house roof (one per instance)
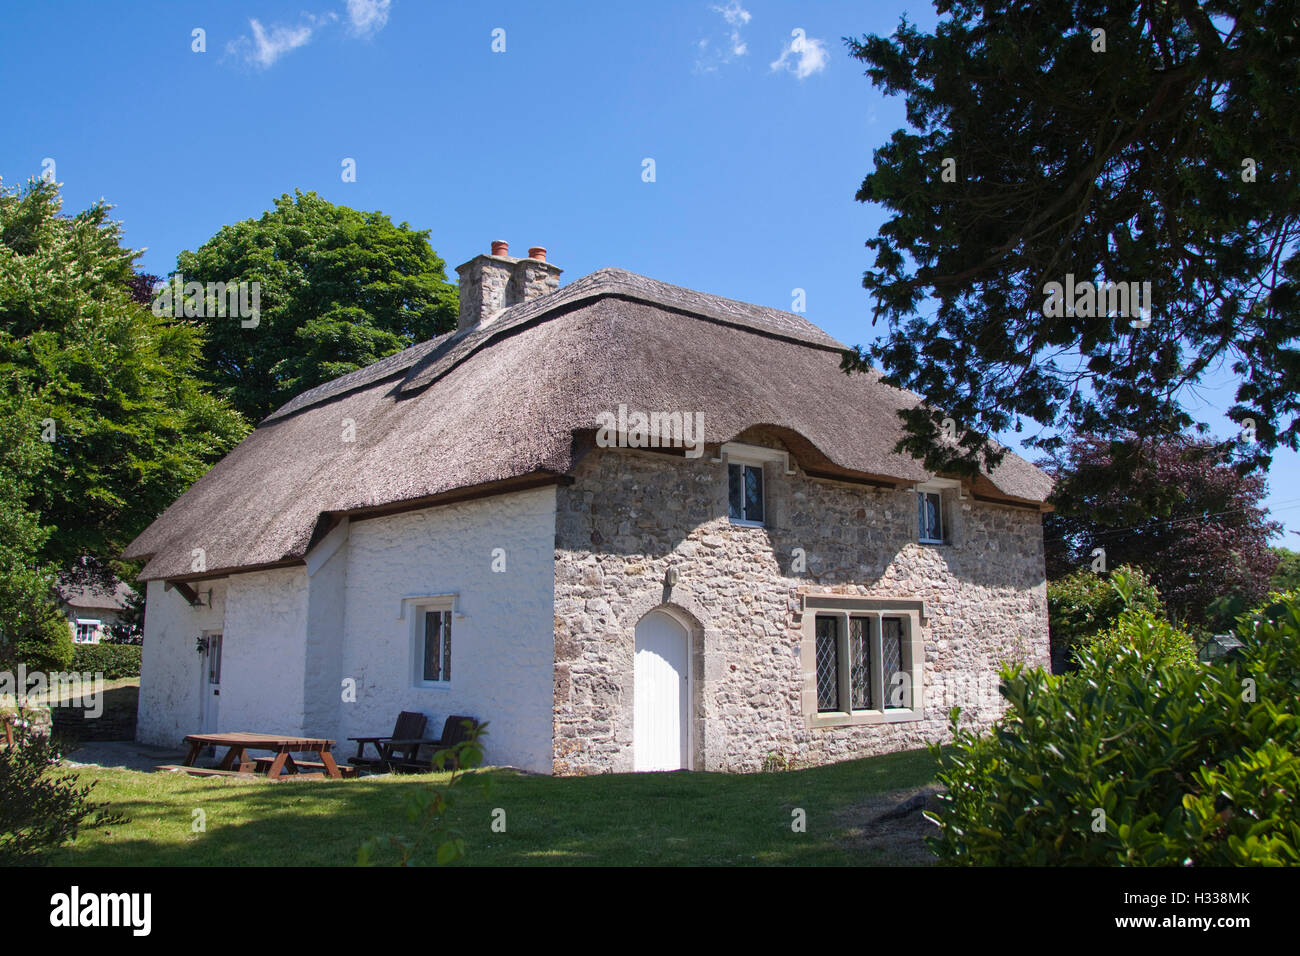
(502, 402)
(89, 596)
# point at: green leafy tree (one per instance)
(1146, 632)
(115, 422)
(1039, 147)
(1287, 575)
(31, 629)
(339, 289)
(131, 426)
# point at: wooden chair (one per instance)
(403, 744)
(453, 732)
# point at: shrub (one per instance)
(41, 805)
(1153, 636)
(427, 807)
(114, 661)
(1084, 603)
(32, 631)
(1137, 758)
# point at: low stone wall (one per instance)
(117, 722)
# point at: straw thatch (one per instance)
(500, 405)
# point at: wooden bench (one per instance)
(403, 744)
(263, 764)
(453, 732)
(215, 772)
(199, 771)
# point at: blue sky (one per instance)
(759, 138)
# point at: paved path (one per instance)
(124, 753)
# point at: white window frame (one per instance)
(947, 489)
(753, 456)
(419, 608)
(911, 611)
(97, 627)
(924, 496)
(762, 478)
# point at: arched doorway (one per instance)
(661, 724)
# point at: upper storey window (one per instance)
(748, 469)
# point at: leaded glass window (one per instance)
(828, 664)
(745, 493)
(891, 659)
(860, 662)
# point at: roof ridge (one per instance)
(427, 361)
(389, 365)
(613, 281)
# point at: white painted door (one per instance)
(211, 683)
(661, 714)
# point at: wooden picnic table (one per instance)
(282, 765)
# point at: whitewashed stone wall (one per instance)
(293, 635)
(171, 669)
(262, 619)
(262, 662)
(630, 515)
(502, 636)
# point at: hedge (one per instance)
(114, 661)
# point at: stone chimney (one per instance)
(491, 283)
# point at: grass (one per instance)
(613, 820)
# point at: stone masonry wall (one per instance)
(631, 514)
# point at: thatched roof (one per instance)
(91, 596)
(500, 405)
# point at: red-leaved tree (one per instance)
(1197, 527)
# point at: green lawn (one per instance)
(615, 819)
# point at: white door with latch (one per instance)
(662, 693)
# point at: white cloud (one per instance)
(803, 56)
(734, 13)
(368, 16)
(267, 46)
(729, 47)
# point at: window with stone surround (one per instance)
(745, 493)
(828, 664)
(748, 469)
(935, 502)
(862, 659)
(929, 512)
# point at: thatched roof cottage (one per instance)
(632, 525)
